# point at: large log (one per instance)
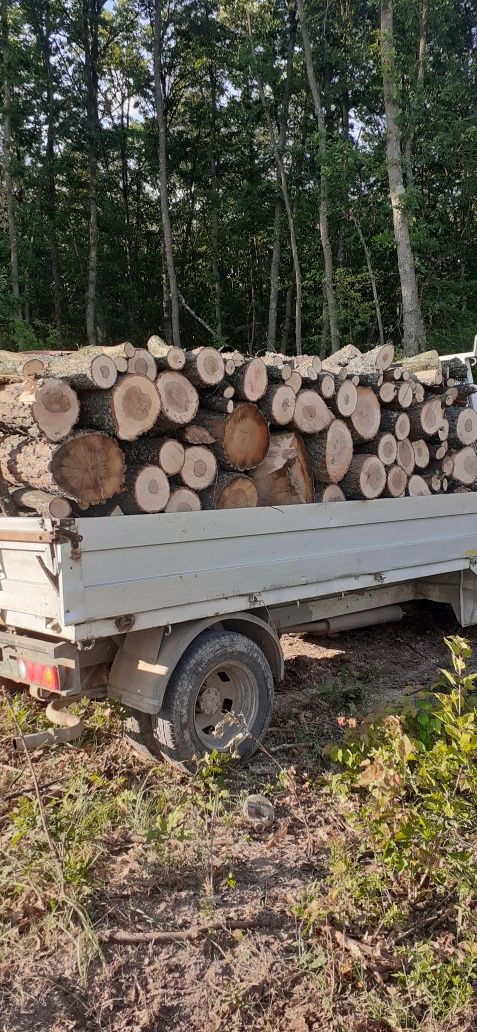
(179, 399)
(182, 499)
(167, 356)
(204, 367)
(339, 359)
(47, 505)
(385, 446)
(344, 402)
(418, 363)
(284, 477)
(311, 413)
(199, 468)
(129, 410)
(464, 465)
(250, 380)
(242, 438)
(52, 407)
(147, 490)
(462, 426)
(84, 370)
(87, 467)
(425, 419)
(330, 453)
(231, 491)
(379, 359)
(366, 418)
(366, 477)
(278, 404)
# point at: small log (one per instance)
(130, 409)
(182, 499)
(143, 363)
(405, 456)
(84, 370)
(366, 477)
(447, 465)
(328, 493)
(443, 431)
(385, 446)
(295, 381)
(326, 385)
(422, 455)
(464, 465)
(379, 359)
(403, 395)
(278, 374)
(311, 413)
(316, 363)
(87, 467)
(438, 450)
(229, 366)
(166, 355)
(14, 368)
(242, 438)
(228, 392)
(330, 453)
(171, 456)
(344, 402)
(396, 482)
(373, 380)
(284, 477)
(418, 392)
(147, 491)
(250, 380)
(121, 364)
(204, 367)
(200, 467)
(340, 358)
(462, 426)
(197, 435)
(433, 480)
(417, 486)
(216, 402)
(464, 392)
(366, 418)
(425, 419)
(387, 392)
(419, 363)
(231, 491)
(179, 399)
(278, 404)
(47, 505)
(394, 372)
(430, 378)
(396, 423)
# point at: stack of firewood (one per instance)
(121, 430)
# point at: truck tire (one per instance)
(220, 693)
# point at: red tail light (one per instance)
(45, 676)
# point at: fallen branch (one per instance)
(197, 317)
(179, 934)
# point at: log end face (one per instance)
(104, 371)
(55, 408)
(136, 406)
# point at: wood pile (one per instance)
(123, 430)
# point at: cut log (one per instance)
(171, 456)
(197, 435)
(385, 446)
(379, 359)
(250, 380)
(84, 370)
(295, 381)
(344, 402)
(328, 493)
(394, 372)
(387, 392)
(311, 413)
(396, 483)
(443, 431)
(422, 454)
(330, 453)
(340, 358)
(278, 374)
(433, 480)
(200, 467)
(14, 368)
(366, 417)
(405, 456)
(121, 364)
(55, 409)
(417, 486)
(403, 395)
(147, 491)
(47, 505)
(229, 367)
(464, 392)
(366, 477)
(182, 499)
(166, 355)
(462, 426)
(130, 409)
(166, 452)
(326, 385)
(464, 465)
(425, 419)
(204, 367)
(373, 380)
(8, 446)
(242, 439)
(419, 363)
(179, 399)
(430, 378)
(216, 402)
(317, 363)
(278, 405)
(231, 491)
(228, 392)
(418, 392)
(143, 363)
(88, 467)
(437, 450)
(284, 477)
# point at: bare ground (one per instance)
(270, 977)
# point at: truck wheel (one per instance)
(221, 688)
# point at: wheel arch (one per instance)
(146, 660)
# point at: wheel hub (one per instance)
(209, 700)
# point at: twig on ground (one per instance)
(180, 934)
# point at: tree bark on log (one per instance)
(405, 456)
(179, 399)
(147, 490)
(425, 419)
(385, 446)
(462, 426)
(250, 380)
(326, 385)
(242, 438)
(376, 360)
(396, 483)
(143, 364)
(396, 423)
(197, 435)
(344, 402)
(48, 505)
(464, 465)
(419, 363)
(330, 453)
(278, 404)
(422, 454)
(129, 410)
(87, 467)
(231, 491)
(311, 413)
(52, 408)
(167, 356)
(284, 477)
(86, 370)
(204, 367)
(366, 477)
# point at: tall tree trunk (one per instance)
(372, 277)
(324, 207)
(91, 12)
(421, 65)
(287, 319)
(286, 198)
(125, 191)
(7, 155)
(166, 294)
(214, 197)
(413, 326)
(165, 216)
(277, 221)
(45, 31)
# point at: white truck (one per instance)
(179, 616)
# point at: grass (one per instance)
(367, 879)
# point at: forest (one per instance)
(257, 174)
